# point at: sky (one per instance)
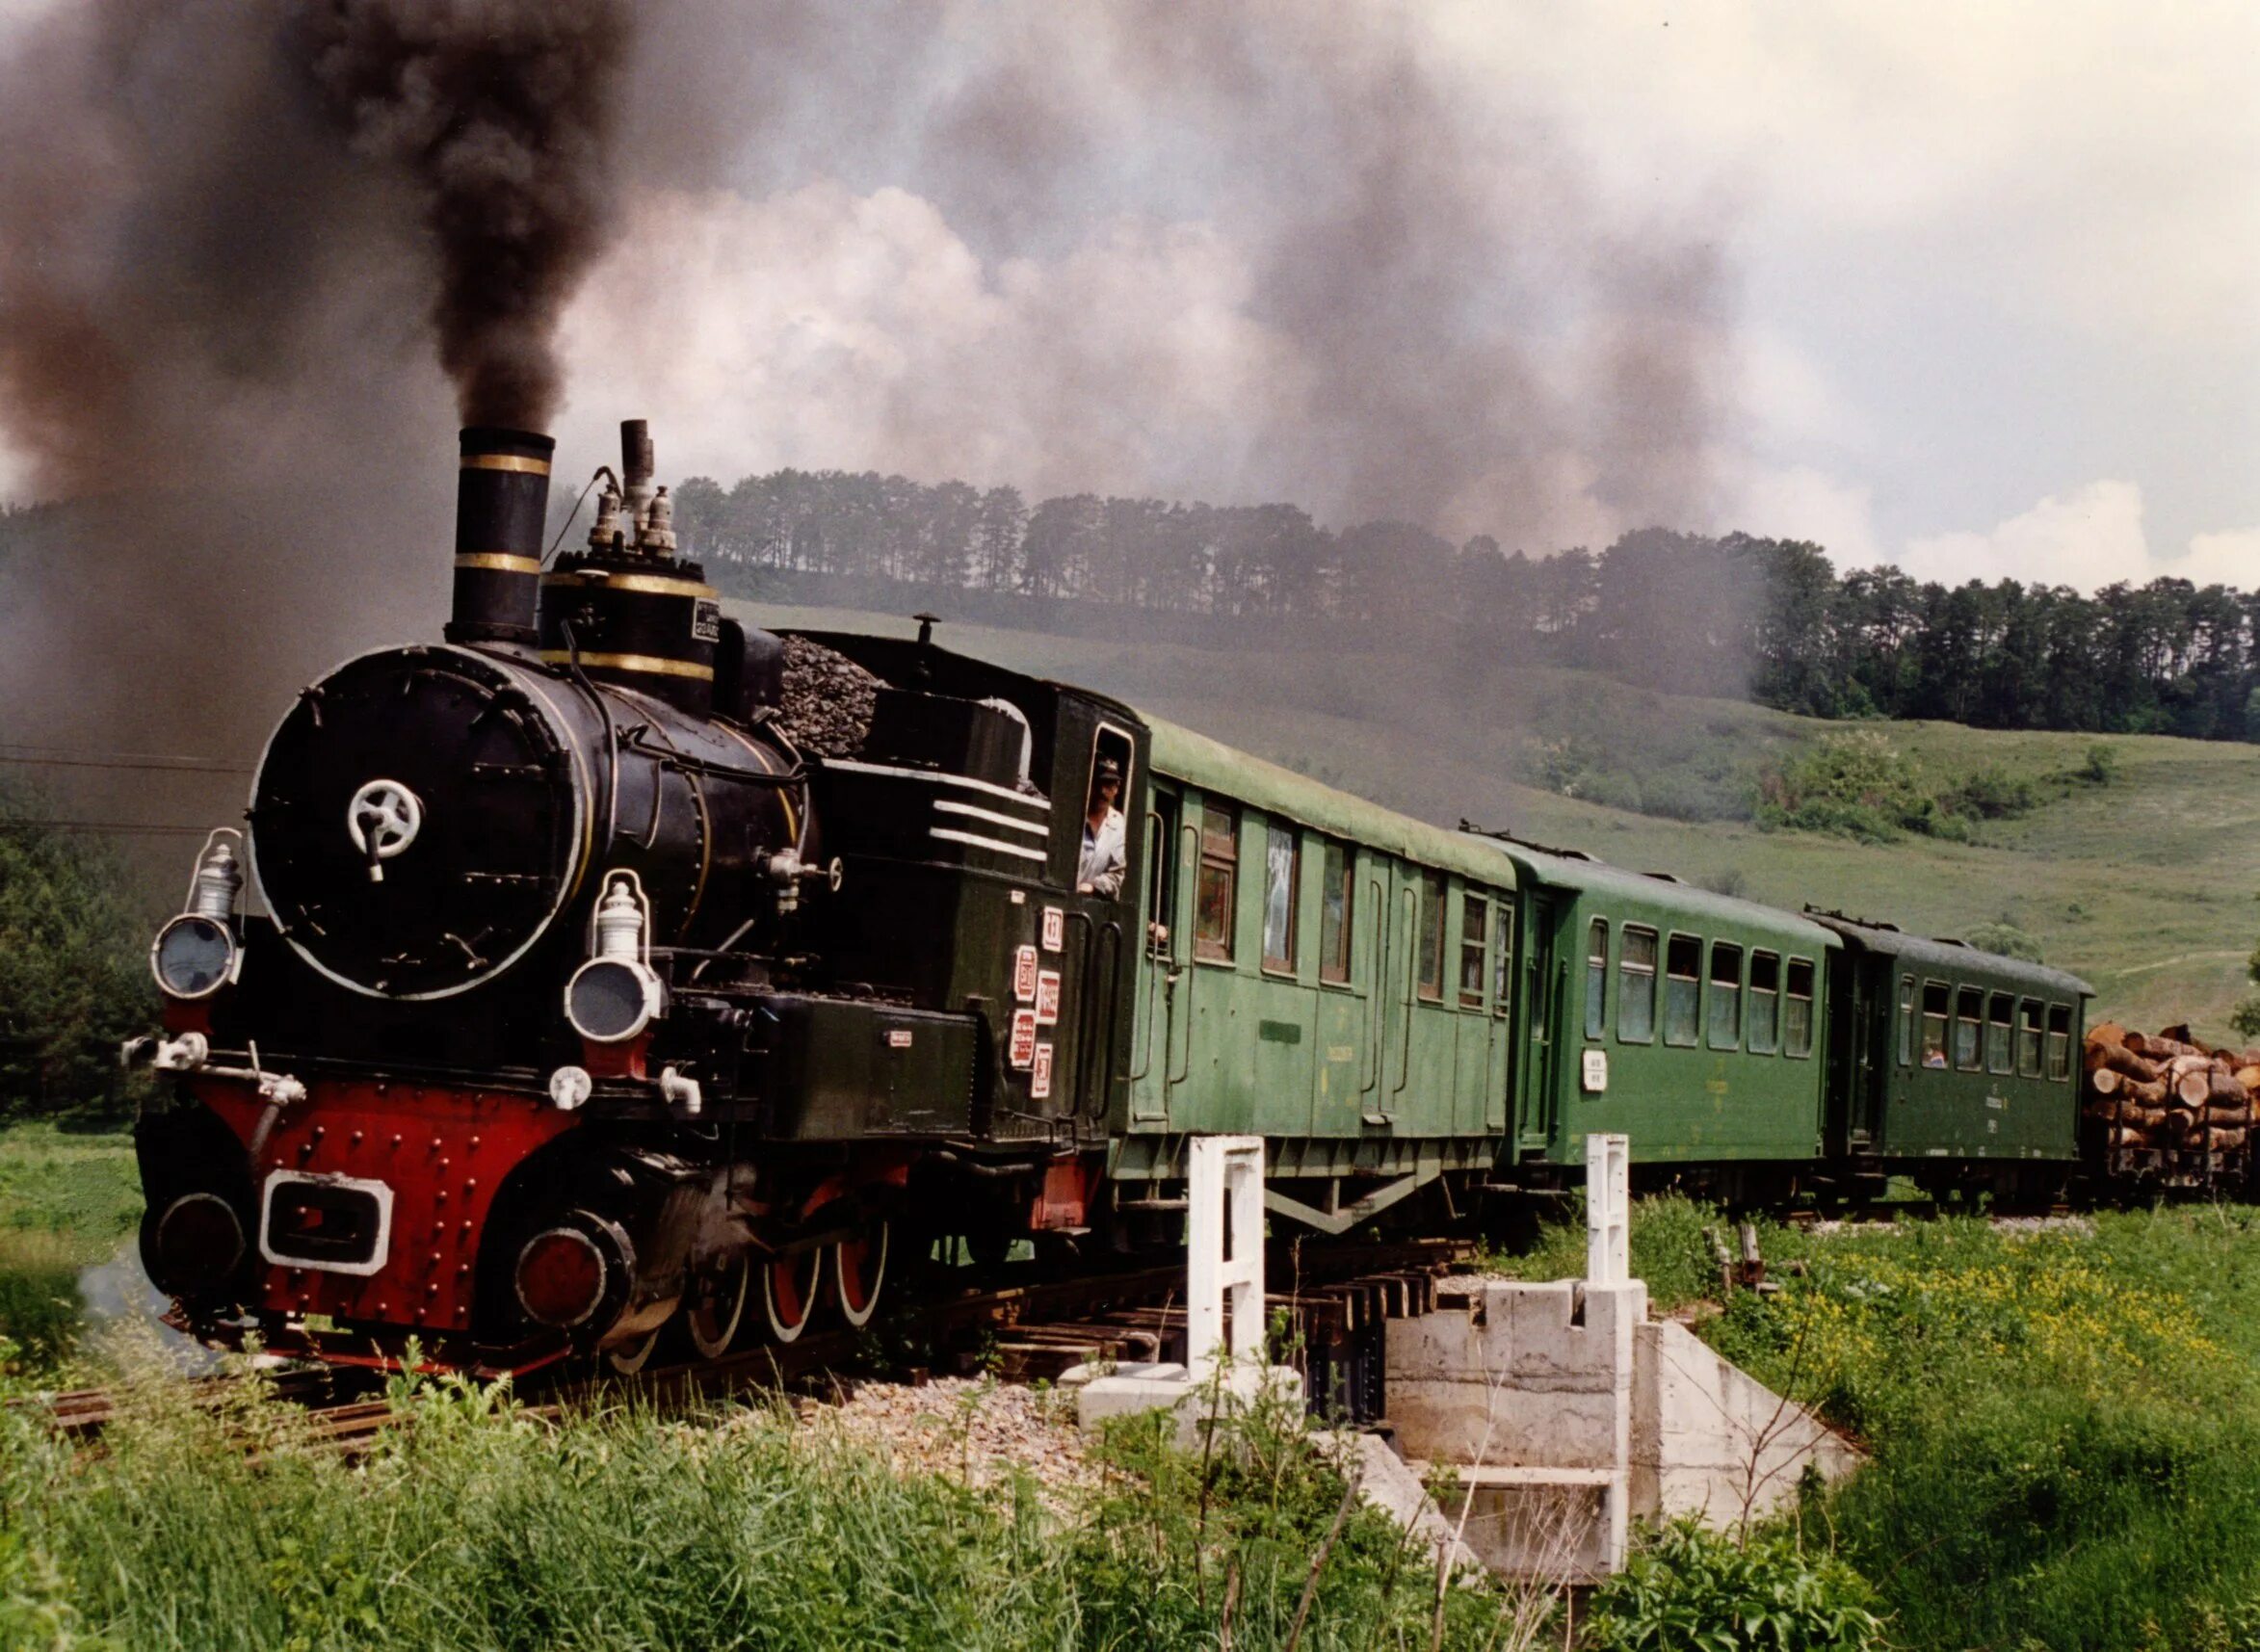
(1974, 289)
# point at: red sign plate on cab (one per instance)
(1047, 997)
(1040, 1083)
(1024, 974)
(1023, 1050)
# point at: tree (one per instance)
(74, 981)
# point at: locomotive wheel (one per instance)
(789, 1293)
(629, 1357)
(859, 1265)
(716, 1307)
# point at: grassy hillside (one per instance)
(2145, 886)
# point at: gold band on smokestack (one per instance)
(502, 505)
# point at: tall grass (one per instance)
(67, 1199)
(473, 1525)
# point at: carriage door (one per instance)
(1536, 1077)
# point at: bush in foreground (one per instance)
(1689, 1589)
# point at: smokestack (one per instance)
(502, 504)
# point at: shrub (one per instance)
(1689, 1589)
(1991, 794)
(1856, 785)
(2005, 939)
(2102, 765)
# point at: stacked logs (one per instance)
(2163, 1091)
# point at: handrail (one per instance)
(1380, 963)
(1411, 978)
(1153, 870)
(1178, 971)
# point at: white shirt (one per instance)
(1104, 860)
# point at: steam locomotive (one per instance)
(583, 1005)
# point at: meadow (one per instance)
(2062, 1420)
(2144, 886)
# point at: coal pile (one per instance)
(828, 700)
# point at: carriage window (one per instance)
(1997, 1033)
(1969, 1016)
(1282, 891)
(1432, 937)
(1218, 889)
(1764, 1003)
(1334, 915)
(2059, 1040)
(1474, 934)
(1906, 1020)
(1503, 969)
(2028, 1037)
(1725, 1032)
(1937, 995)
(1597, 978)
(1797, 1021)
(1683, 988)
(1636, 986)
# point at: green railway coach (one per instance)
(1953, 1065)
(1694, 1023)
(1317, 971)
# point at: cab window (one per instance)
(1282, 894)
(1597, 978)
(1796, 1030)
(1218, 889)
(1725, 1029)
(1765, 1034)
(1969, 1016)
(1475, 925)
(1683, 990)
(1997, 1033)
(1432, 937)
(1636, 986)
(2028, 1037)
(1334, 908)
(2059, 1040)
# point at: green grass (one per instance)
(2145, 886)
(2063, 1424)
(473, 1527)
(67, 1200)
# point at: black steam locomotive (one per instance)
(561, 1025)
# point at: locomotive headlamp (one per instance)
(614, 995)
(195, 954)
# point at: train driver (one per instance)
(1104, 860)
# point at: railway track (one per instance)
(1336, 1302)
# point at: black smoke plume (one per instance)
(501, 115)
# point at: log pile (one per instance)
(2163, 1092)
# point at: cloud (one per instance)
(2231, 557)
(2088, 537)
(2085, 538)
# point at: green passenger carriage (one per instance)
(1692, 1022)
(1951, 1065)
(1317, 971)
